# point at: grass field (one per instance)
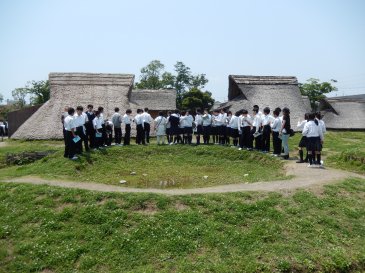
(47, 229)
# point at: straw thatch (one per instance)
(159, 100)
(73, 89)
(344, 113)
(266, 91)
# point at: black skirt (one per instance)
(314, 144)
(188, 130)
(303, 142)
(234, 133)
(199, 130)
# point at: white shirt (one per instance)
(102, 118)
(245, 121)
(117, 119)
(97, 122)
(186, 121)
(68, 122)
(219, 120)
(207, 120)
(323, 125)
(234, 122)
(256, 121)
(267, 119)
(198, 119)
(138, 119)
(276, 125)
(147, 117)
(311, 129)
(80, 120)
(168, 123)
(300, 124)
(126, 119)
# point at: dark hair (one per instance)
(139, 111)
(176, 111)
(311, 116)
(160, 113)
(276, 112)
(237, 114)
(169, 113)
(71, 111)
(146, 109)
(116, 109)
(257, 107)
(183, 113)
(97, 113)
(278, 109)
(318, 115)
(255, 110)
(229, 113)
(90, 105)
(286, 111)
(267, 110)
(244, 111)
(198, 111)
(128, 111)
(80, 108)
(100, 109)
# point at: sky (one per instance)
(322, 39)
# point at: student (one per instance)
(246, 139)
(117, 123)
(98, 128)
(207, 122)
(233, 125)
(138, 119)
(321, 124)
(199, 125)
(187, 124)
(70, 129)
(303, 140)
(63, 116)
(174, 129)
(90, 132)
(228, 128)
(215, 131)
(127, 120)
(222, 116)
(80, 119)
(275, 127)
(109, 132)
(147, 120)
(313, 131)
(285, 132)
(267, 119)
(168, 128)
(160, 128)
(256, 129)
(259, 113)
(101, 113)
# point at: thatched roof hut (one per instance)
(155, 100)
(73, 89)
(266, 91)
(344, 113)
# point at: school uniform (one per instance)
(147, 120)
(117, 124)
(63, 116)
(206, 124)
(90, 131)
(187, 124)
(285, 136)
(140, 138)
(233, 125)
(103, 130)
(98, 127)
(80, 121)
(266, 132)
(160, 129)
(219, 122)
(256, 127)
(227, 131)
(70, 146)
(303, 140)
(174, 120)
(276, 141)
(168, 129)
(127, 135)
(246, 139)
(199, 127)
(314, 135)
(323, 128)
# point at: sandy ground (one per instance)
(311, 178)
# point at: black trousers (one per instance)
(90, 133)
(147, 128)
(104, 135)
(70, 146)
(118, 135)
(266, 132)
(276, 141)
(245, 137)
(127, 135)
(99, 141)
(140, 139)
(81, 134)
(206, 134)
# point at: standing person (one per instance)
(70, 129)
(187, 124)
(63, 116)
(313, 131)
(80, 119)
(228, 128)
(199, 125)
(223, 133)
(117, 123)
(109, 132)
(234, 124)
(246, 137)
(138, 119)
(267, 119)
(127, 120)
(160, 128)
(103, 130)
(174, 129)
(285, 132)
(275, 127)
(147, 120)
(98, 128)
(90, 131)
(207, 122)
(168, 128)
(256, 129)
(303, 140)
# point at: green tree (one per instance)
(19, 95)
(39, 92)
(316, 90)
(151, 76)
(197, 99)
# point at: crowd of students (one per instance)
(250, 132)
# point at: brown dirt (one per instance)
(303, 177)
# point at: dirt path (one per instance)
(303, 178)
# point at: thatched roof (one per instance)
(154, 99)
(346, 112)
(266, 91)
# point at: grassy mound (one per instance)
(352, 159)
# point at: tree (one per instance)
(39, 91)
(19, 95)
(151, 76)
(1, 98)
(315, 90)
(197, 99)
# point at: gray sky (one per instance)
(324, 39)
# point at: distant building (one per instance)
(106, 90)
(344, 113)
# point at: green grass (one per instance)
(49, 229)
(155, 166)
